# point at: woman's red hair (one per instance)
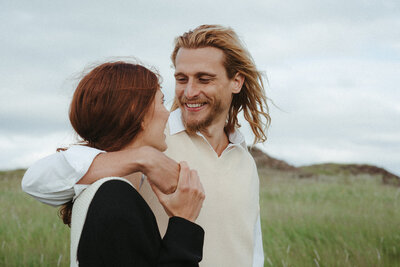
(108, 108)
(110, 102)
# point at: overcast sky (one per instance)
(333, 69)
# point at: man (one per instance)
(215, 79)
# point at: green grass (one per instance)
(30, 232)
(320, 221)
(330, 221)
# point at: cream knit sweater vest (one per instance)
(231, 207)
(79, 211)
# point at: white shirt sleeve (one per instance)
(258, 252)
(52, 180)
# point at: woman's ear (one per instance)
(144, 122)
(238, 81)
(147, 117)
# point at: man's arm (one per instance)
(159, 169)
(52, 180)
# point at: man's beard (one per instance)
(201, 125)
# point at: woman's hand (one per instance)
(187, 200)
(160, 170)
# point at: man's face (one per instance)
(202, 87)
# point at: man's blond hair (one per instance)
(251, 99)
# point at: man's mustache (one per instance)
(197, 99)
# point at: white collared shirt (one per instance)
(53, 179)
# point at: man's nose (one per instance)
(191, 90)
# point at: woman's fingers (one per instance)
(187, 200)
(157, 191)
(196, 185)
(184, 176)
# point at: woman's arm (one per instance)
(121, 230)
(185, 240)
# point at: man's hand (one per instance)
(187, 200)
(161, 170)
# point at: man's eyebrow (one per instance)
(198, 74)
(179, 73)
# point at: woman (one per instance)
(119, 106)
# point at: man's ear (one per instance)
(238, 81)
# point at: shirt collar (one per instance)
(176, 126)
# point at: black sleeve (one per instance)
(182, 244)
(121, 230)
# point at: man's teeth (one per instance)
(194, 105)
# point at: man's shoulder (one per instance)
(249, 158)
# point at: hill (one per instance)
(263, 160)
(266, 162)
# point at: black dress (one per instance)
(121, 230)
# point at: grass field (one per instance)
(320, 221)
(330, 221)
(30, 232)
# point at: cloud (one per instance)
(340, 110)
(24, 149)
(332, 68)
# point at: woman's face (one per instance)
(154, 124)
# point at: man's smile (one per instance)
(194, 106)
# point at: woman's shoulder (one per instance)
(110, 182)
(88, 193)
(118, 197)
(112, 190)
(104, 192)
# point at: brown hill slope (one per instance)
(352, 169)
(264, 161)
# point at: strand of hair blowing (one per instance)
(108, 107)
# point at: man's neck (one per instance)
(216, 137)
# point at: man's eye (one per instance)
(202, 80)
(181, 80)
